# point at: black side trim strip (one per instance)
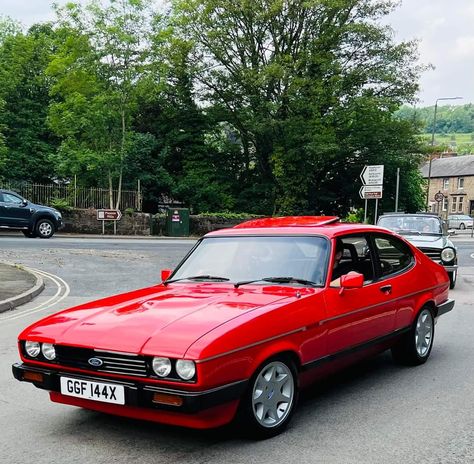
(354, 349)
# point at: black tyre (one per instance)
(452, 279)
(28, 234)
(44, 228)
(414, 347)
(269, 403)
(462, 226)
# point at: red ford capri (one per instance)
(252, 315)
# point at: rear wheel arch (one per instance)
(430, 304)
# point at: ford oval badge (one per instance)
(95, 362)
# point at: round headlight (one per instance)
(48, 351)
(186, 369)
(448, 255)
(32, 348)
(162, 366)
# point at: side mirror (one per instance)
(351, 280)
(165, 273)
(24, 202)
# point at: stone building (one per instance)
(453, 176)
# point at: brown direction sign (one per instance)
(109, 215)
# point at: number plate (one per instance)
(97, 391)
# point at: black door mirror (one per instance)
(24, 202)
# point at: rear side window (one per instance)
(393, 255)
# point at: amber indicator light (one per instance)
(171, 400)
(33, 376)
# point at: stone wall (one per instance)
(198, 225)
(84, 221)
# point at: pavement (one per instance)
(17, 286)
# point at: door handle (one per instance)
(387, 289)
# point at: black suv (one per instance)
(33, 220)
(429, 233)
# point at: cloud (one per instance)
(441, 27)
(464, 47)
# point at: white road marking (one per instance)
(472, 255)
(62, 292)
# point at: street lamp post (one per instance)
(432, 144)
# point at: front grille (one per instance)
(113, 363)
(433, 253)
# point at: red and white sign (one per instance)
(109, 215)
(371, 192)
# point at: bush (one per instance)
(227, 215)
(61, 204)
(355, 216)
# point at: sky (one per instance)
(443, 28)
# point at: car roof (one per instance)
(328, 226)
(9, 191)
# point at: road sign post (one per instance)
(372, 186)
(109, 215)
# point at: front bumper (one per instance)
(452, 268)
(139, 394)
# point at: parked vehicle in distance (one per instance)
(429, 233)
(460, 221)
(33, 220)
(248, 318)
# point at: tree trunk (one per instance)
(111, 191)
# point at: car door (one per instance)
(360, 315)
(395, 262)
(15, 212)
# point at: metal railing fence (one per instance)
(73, 196)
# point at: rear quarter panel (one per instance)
(427, 283)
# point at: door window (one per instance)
(393, 255)
(9, 198)
(352, 254)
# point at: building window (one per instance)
(454, 205)
(445, 184)
(445, 204)
(461, 205)
(461, 183)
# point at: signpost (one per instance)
(109, 215)
(371, 192)
(439, 197)
(372, 186)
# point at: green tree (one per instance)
(306, 84)
(101, 60)
(24, 89)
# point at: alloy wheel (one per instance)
(273, 394)
(424, 333)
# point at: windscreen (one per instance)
(250, 257)
(412, 225)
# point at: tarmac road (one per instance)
(376, 412)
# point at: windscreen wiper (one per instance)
(198, 277)
(278, 280)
